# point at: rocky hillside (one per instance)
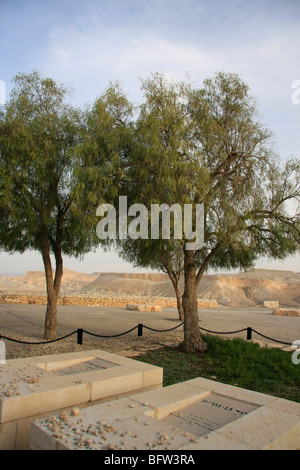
(240, 290)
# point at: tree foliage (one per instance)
(55, 162)
(207, 146)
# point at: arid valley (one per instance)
(236, 290)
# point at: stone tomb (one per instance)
(197, 414)
(34, 387)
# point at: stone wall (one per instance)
(108, 301)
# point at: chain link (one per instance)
(134, 328)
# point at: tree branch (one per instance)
(206, 261)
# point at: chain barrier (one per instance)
(272, 339)
(140, 327)
(110, 336)
(47, 341)
(224, 332)
(163, 331)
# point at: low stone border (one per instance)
(101, 301)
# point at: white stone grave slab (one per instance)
(194, 415)
(34, 387)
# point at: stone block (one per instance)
(271, 304)
(262, 428)
(144, 307)
(289, 312)
(289, 441)
(170, 399)
(8, 435)
(287, 406)
(40, 440)
(137, 307)
(116, 380)
(153, 308)
(216, 441)
(51, 396)
(249, 396)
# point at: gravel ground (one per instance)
(26, 323)
(128, 346)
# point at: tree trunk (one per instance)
(53, 288)
(175, 282)
(50, 330)
(179, 303)
(193, 341)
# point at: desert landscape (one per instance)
(236, 290)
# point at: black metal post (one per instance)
(79, 335)
(249, 333)
(140, 329)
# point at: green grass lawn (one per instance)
(235, 362)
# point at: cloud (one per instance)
(90, 57)
(87, 44)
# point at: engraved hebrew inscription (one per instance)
(87, 366)
(209, 413)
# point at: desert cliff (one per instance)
(236, 290)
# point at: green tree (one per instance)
(57, 164)
(48, 187)
(207, 146)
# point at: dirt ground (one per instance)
(22, 324)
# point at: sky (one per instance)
(86, 45)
